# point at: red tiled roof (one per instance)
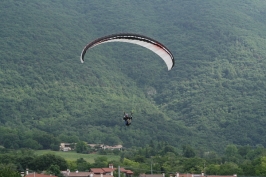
(126, 171)
(129, 172)
(102, 176)
(83, 174)
(97, 170)
(122, 169)
(108, 169)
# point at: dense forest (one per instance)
(213, 97)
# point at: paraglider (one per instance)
(140, 40)
(127, 118)
(149, 43)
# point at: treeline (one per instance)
(156, 158)
(164, 158)
(32, 139)
(25, 160)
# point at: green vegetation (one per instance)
(72, 156)
(162, 157)
(214, 96)
(51, 162)
(7, 172)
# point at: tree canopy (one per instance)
(213, 97)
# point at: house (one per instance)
(96, 146)
(118, 147)
(99, 172)
(110, 171)
(104, 171)
(77, 174)
(82, 174)
(66, 146)
(102, 146)
(70, 146)
(127, 173)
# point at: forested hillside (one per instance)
(214, 96)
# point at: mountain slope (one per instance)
(215, 94)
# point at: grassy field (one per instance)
(74, 156)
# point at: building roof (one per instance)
(77, 174)
(93, 145)
(126, 171)
(108, 169)
(83, 174)
(67, 143)
(102, 175)
(113, 147)
(97, 170)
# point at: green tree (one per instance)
(46, 140)
(82, 165)
(193, 165)
(230, 168)
(260, 167)
(43, 162)
(72, 165)
(100, 162)
(243, 150)
(11, 141)
(139, 158)
(7, 172)
(231, 153)
(54, 147)
(112, 140)
(168, 148)
(30, 143)
(138, 167)
(219, 88)
(26, 161)
(82, 147)
(116, 152)
(54, 170)
(68, 138)
(248, 168)
(212, 169)
(188, 151)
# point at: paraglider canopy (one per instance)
(141, 40)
